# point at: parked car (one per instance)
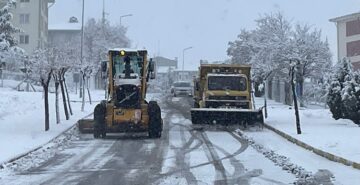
(182, 88)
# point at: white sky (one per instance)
(168, 26)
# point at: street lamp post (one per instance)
(127, 15)
(184, 56)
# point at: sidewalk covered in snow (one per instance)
(22, 119)
(319, 129)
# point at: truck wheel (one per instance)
(155, 122)
(196, 105)
(99, 120)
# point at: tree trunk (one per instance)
(301, 88)
(46, 102)
(67, 95)
(252, 95)
(57, 100)
(265, 100)
(82, 93)
(81, 87)
(45, 85)
(298, 129)
(88, 90)
(64, 100)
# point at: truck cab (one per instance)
(226, 91)
(222, 94)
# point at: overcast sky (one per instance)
(166, 27)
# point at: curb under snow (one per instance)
(317, 151)
(303, 176)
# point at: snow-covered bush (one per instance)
(344, 92)
(8, 43)
(316, 93)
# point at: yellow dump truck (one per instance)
(222, 95)
(126, 109)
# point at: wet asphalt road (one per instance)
(183, 155)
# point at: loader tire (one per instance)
(155, 121)
(99, 120)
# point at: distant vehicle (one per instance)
(181, 88)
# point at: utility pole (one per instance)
(103, 14)
(184, 56)
(127, 15)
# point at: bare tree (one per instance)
(41, 66)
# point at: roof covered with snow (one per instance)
(346, 17)
(65, 27)
(214, 74)
(125, 49)
(180, 70)
(162, 61)
(164, 69)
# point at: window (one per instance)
(356, 65)
(236, 83)
(353, 28)
(24, 1)
(182, 84)
(24, 18)
(24, 39)
(353, 48)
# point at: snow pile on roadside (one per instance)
(304, 177)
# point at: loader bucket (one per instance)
(223, 116)
(86, 125)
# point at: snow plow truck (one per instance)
(222, 95)
(126, 109)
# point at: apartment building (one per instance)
(59, 34)
(31, 16)
(348, 37)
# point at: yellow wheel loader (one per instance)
(126, 109)
(222, 95)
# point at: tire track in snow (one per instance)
(221, 177)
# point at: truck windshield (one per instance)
(119, 65)
(236, 83)
(182, 84)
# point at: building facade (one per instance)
(59, 34)
(31, 17)
(348, 37)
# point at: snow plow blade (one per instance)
(86, 125)
(225, 117)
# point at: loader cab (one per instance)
(127, 67)
(127, 72)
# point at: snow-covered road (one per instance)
(184, 155)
